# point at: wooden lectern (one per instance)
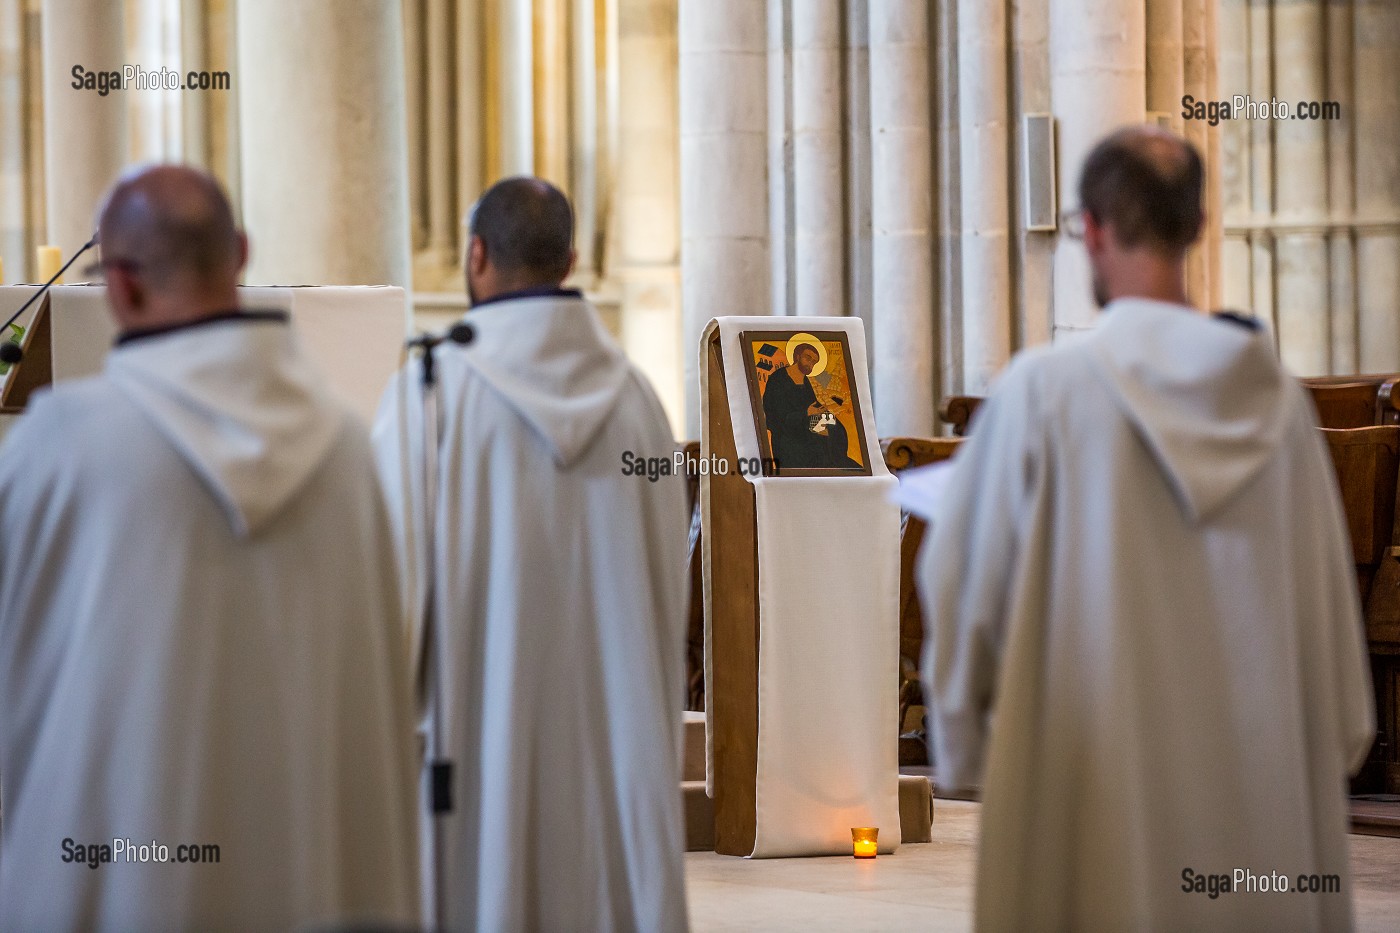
(801, 577)
(36, 370)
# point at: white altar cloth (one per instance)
(353, 335)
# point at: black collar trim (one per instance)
(1238, 319)
(544, 291)
(246, 317)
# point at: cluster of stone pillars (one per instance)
(914, 216)
(798, 156)
(769, 164)
(1312, 207)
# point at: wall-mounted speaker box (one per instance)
(1038, 172)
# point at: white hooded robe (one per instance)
(561, 584)
(201, 644)
(1142, 617)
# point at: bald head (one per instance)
(522, 233)
(1146, 184)
(173, 226)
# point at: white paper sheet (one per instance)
(921, 490)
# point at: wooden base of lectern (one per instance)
(732, 599)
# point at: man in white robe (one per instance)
(201, 645)
(1142, 619)
(558, 588)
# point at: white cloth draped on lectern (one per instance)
(828, 657)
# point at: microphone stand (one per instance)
(439, 765)
(11, 353)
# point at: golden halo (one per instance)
(795, 339)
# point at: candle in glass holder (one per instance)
(50, 261)
(864, 840)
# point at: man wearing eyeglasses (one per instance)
(1144, 645)
(204, 711)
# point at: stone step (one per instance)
(693, 763)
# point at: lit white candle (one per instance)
(50, 261)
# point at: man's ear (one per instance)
(1095, 234)
(125, 295)
(476, 256)
(573, 261)
(242, 252)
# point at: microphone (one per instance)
(460, 333)
(11, 353)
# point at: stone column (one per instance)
(1341, 189)
(414, 61)
(14, 218)
(515, 87)
(156, 116)
(781, 245)
(332, 209)
(194, 105)
(551, 32)
(1234, 165)
(1377, 106)
(645, 244)
(1261, 172)
(441, 193)
(1203, 73)
(984, 190)
(1176, 66)
(901, 217)
(222, 48)
(1300, 189)
(85, 135)
(724, 201)
(819, 247)
(1166, 77)
(584, 142)
(1098, 82)
(858, 180)
(471, 122)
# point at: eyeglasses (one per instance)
(1072, 223)
(97, 271)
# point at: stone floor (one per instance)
(927, 887)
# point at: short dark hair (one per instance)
(1147, 183)
(527, 225)
(805, 346)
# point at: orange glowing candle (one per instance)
(864, 841)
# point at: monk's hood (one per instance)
(552, 361)
(240, 404)
(1206, 395)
